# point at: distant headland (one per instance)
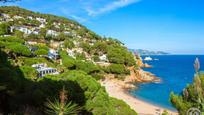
(148, 52)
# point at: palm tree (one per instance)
(61, 106)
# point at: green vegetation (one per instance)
(19, 49)
(192, 95)
(67, 61)
(4, 28)
(120, 55)
(18, 90)
(29, 72)
(62, 107)
(88, 67)
(41, 52)
(22, 91)
(117, 69)
(68, 44)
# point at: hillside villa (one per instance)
(43, 70)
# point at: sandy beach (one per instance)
(141, 107)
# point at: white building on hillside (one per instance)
(42, 26)
(21, 28)
(53, 54)
(30, 17)
(52, 33)
(36, 32)
(17, 17)
(43, 70)
(67, 33)
(103, 58)
(42, 20)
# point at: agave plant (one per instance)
(57, 108)
(61, 106)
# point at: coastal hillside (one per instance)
(51, 64)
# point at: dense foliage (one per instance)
(192, 95)
(19, 93)
(4, 29)
(22, 91)
(117, 69)
(120, 55)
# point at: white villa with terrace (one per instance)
(43, 70)
(21, 28)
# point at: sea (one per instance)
(175, 72)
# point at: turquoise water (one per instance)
(175, 71)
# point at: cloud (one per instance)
(110, 7)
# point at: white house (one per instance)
(30, 17)
(103, 58)
(52, 33)
(43, 70)
(36, 32)
(67, 33)
(31, 42)
(21, 28)
(42, 20)
(17, 17)
(42, 25)
(24, 29)
(53, 54)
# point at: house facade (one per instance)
(43, 70)
(53, 54)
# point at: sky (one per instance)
(174, 26)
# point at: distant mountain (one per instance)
(147, 52)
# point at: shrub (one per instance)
(19, 49)
(96, 58)
(120, 55)
(88, 67)
(117, 69)
(41, 52)
(80, 56)
(12, 39)
(68, 44)
(4, 28)
(29, 72)
(67, 61)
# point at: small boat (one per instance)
(156, 59)
(148, 58)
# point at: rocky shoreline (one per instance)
(137, 75)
